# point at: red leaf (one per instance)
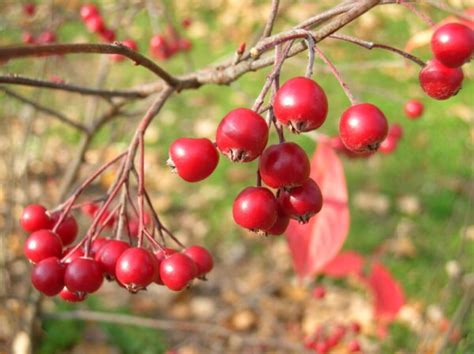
(343, 264)
(388, 294)
(314, 244)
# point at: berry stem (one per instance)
(311, 45)
(141, 189)
(417, 12)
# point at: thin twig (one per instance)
(271, 19)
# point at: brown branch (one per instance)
(271, 19)
(116, 48)
(58, 115)
(25, 81)
(172, 325)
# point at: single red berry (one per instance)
(89, 209)
(107, 35)
(242, 135)
(414, 109)
(439, 81)
(340, 148)
(134, 224)
(83, 275)
(186, 22)
(130, 43)
(88, 10)
(159, 47)
(395, 130)
(68, 258)
(108, 255)
(95, 24)
(301, 104)
(68, 229)
(97, 244)
(281, 223)
(355, 327)
(27, 38)
(353, 346)
(48, 276)
(29, 9)
(70, 296)
(136, 268)
(201, 257)
(321, 347)
(389, 145)
(363, 127)
(42, 244)
(193, 159)
(255, 208)
(160, 255)
(301, 203)
(46, 37)
(56, 79)
(185, 44)
(453, 44)
(339, 331)
(284, 165)
(35, 217)
(177, 271)
(319, 292)
(173, 47)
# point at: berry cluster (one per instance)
(75, 271)
(164, 46)
(452, 45)
(95, 23)
(326, 338)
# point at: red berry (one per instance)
(70, 296)
(68, 229)
(453, 44)
(46, 37)
(83, 275)
(255, 208)
(68, 258)
(396, 130)
(95, 24)
(193, 159)
(35, 217)
(284, 165)
(414, 109)
(185, 44)
(319, 292)
(177, 271)
(29, 9)
(27, 38)
(88, 10)
(242, 135)
(201, 257)
(281, 223)
(159, 47)
(439, 81)
(389, 145)
(355, 327)
(353, 346)
(42, 244)
(89, 209)
(48, 276)
(363, 127)
(186, 22)
(136, 268)
(108, 255)
(302, 202)
(107, 35)
(97, 245)
(322, 347)
(301, 104)
(130, 43)
(160, 255)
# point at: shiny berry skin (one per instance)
(284, 165)
(363, 127)
(68, 229)
(242, 135)
(453, 44)
(88, 10)
(107, 35)
(70, 296)
(160, 255)
(440, 82)
(136, 268)
(255, 208)
(97, 244)
(108, 255)
(159, 47)
(353, 346)
(281, 223)
(35, 217)
(83, 275)
(43, 244)
(302, 202)
(193, 159)
(177, 271)
(201, 257)
(301, 104)
(389, 145)
(129, 43)
(48, 276)
(414, 109)
(95, 24)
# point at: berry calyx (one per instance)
(453, 44)
(48, 276)
(302, 202)
(193, 159)
(363, 127)
(414, 109)
(83, 275)
(70, 296)
(35, 217)
(177, 271)
(202, 258)
(68, 229)
(439, 81)
(284, 165)
(108, 255)
(301, 104)
(136, 268)
(255, 208)
(42, 244)
(242, 135)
